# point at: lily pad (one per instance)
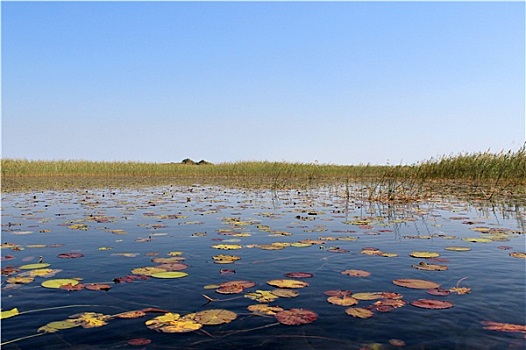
(98, 286)
(294, 317)
(424, 254)
(169, 274)
(356, 273)
(342, 300)
(34, 266)
(458, 249)
(429, 267)
(285, 283)
(299, 275)
(57, 283)
(264, 309)
(214, 317)
(9, 313)
(147, 271)
(432, 304)
(415, 283)
(70, 255)
(263, 296)
(359, 312)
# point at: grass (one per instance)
(485, 172)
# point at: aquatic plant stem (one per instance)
(22, 338)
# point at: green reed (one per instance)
(486, 172)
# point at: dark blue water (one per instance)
(497, 280)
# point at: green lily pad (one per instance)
(56, 283)
(169, 274)
(34, 266)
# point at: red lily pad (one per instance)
(71, 288)
(139, 341)
(356, 273)
(432, 304)
(338, 292)
(438, 291)
(299, 275)
(294, 317)
(98, 286)
(70, 255)
(415, 283)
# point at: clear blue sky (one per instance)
(339, 82)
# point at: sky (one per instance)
(310, 82)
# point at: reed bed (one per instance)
(484, 173)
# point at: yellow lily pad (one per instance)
(9, 313)
(169, 274)
(227, 246)
(56, 283)
(284, 283)
(34, 266)
(214, 317)
(458, 249)
(424, 255)
(147, 271)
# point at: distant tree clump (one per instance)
(188, 161)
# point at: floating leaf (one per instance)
(214, 317)
(242, 283)
(458, 249)
(139, 341)
(424, 255)
(230, 289)
(432, 304)
(438, 291)
(147, 271)
(169, 274)
(263, 296)
(299, 275)
(82, 227)
(57, 283)
(429, 267)
(44, 272)
(285, 293)
(356, 273)
(131, 314)
(70, 288)
(368, 296)
(227, 246)
(53, 327)
(338, 292)
(264, 309)
(460, 290)
(342, 300)
(70, 255)
(359, 312)
(225, 259)
(294, 317)
(173, 266)
(477, 240)
(90, 319)
(34, 266)
(20, 280)
(9, 313)
(173, 323)
(284, 283)
(504, 327)
(386, 305)
(518, 255)
(415, 283)
(171, 260)
(98, 286)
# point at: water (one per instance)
(159, 220)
